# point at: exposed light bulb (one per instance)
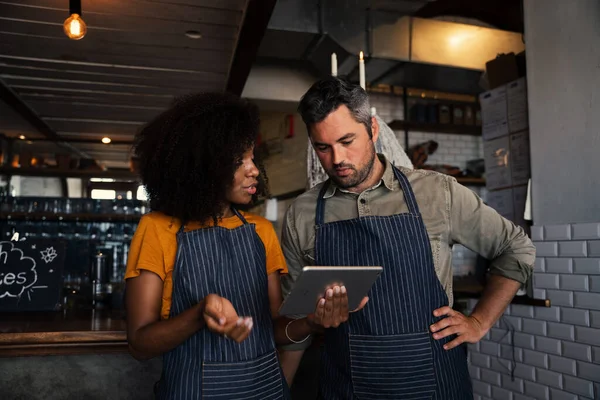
(106, 140)
(75, 27)
(22, 137)
(193, 34)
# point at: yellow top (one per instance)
(154, 247)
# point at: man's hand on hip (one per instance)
(468, 329)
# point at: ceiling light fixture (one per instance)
(22, 137)
(74, 26)
(193, 34)
(106, 140)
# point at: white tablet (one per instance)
(313, 282)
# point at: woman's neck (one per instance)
(227, 211)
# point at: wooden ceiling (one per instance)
(134, 59)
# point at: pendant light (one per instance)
(74, 26)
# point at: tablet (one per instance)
(313, 282)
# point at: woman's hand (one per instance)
(220, 317)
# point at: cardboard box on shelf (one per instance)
(505, 68)
(510, 203)
(516, 105)
(494, 113)
(496, 156)
(519, 201)
(520, 166)
(503, 202)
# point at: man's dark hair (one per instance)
(326, 95)
(189, 153)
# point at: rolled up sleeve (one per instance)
(481, 229)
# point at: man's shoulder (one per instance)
(425, 176)
(306, 203)
(432, 189)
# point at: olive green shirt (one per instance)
(452, 213)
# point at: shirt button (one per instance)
(363, 201)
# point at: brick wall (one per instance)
(555, 351)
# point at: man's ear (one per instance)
(374, 129)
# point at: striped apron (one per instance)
(386, 350)
(232, 264)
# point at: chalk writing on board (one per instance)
(20, 274)
(31, 274)
(48, 255)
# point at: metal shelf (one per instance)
(62, 217)
(401, 125)
(120, 174)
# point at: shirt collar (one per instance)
(387, 179)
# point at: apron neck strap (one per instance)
(239, 215)
(409, 196)
(320, 215)
(235, 211)
(181, 228)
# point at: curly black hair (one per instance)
(189, 153)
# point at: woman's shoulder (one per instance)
(256, 219)
(162, 222)
(264, 227)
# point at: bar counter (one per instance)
(99, 332)
(62, 333)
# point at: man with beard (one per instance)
(407, 342)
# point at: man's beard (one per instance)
(355, 178)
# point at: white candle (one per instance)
(361, 71)
(333, 64)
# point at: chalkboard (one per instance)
(31, 274)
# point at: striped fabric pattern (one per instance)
(231, 263)
(368, 357)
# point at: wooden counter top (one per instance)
(53, 333)
(81, 332)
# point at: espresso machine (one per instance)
(100, 275)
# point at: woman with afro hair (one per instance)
(203, 285)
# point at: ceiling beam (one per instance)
(20, 107)
(256, 20)
(87, 140)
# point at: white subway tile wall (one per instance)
(453, 149)
(388, 107)
(560, 345)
